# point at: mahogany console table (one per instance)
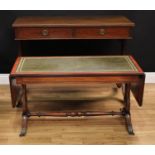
(64, 27)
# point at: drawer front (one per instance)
(42, 33)
(103, 33)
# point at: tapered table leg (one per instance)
(25, 112)
(127, 108)
(12, 91)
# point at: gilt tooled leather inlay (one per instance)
(76, 64)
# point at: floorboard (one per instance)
(84, 130)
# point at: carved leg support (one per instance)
(125, 112)
(25, 112)
(127, 109)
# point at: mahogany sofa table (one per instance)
(85, 69)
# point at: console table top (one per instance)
(35, 21)
(84, 64)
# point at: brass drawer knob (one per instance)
(45, 32)
(102, 32)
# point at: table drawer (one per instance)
(103, 33)
(42, 33)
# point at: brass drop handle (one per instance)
(102, 31)
(45, 32)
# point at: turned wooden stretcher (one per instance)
(79, 69)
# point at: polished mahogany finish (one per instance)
(95, 27)
(67, 21)
(68, 27)
(103, 33)
(42, 33)
(127, 79)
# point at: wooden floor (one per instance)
(92, 130)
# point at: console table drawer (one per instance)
(103, 33)
(30, 33)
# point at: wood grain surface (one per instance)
(61, 21)
(69, 27)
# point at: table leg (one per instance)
(127, 109)
(25, 114)
(12, 91)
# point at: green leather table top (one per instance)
(76, 64)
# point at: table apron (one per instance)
(105, 79)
